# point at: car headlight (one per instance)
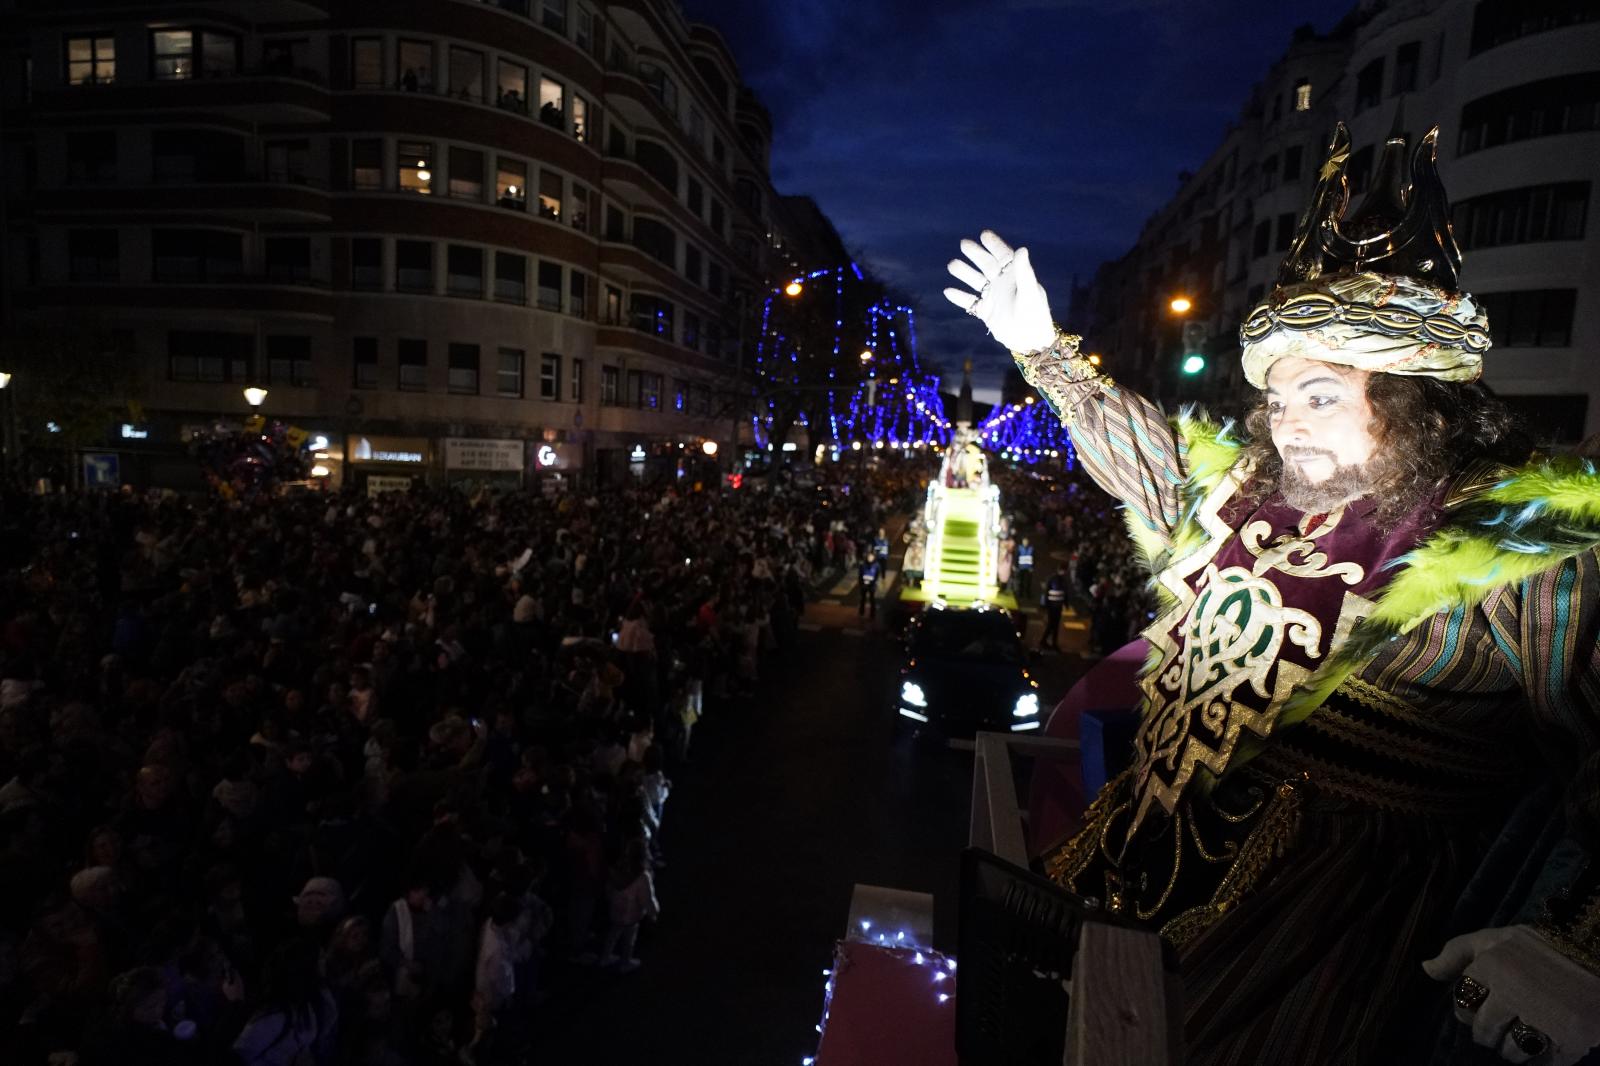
(911, 694)
(1027, 705)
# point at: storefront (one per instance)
(385, 464)
(556, 465)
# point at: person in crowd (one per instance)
(1055, 601)
(631, 895)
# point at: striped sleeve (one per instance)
(1549, 630)
(1130, 449)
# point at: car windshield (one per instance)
(972, 636)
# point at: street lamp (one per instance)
(866, 356)
(5, 379)
(255, 396)
(794, 288)
(1180, 305)
(709, 447)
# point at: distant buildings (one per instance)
(463, 239)
(1515, 90)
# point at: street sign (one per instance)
(102, 470)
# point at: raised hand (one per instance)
(1003, 293)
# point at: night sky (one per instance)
(1061, 124)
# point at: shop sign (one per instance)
(133, 432)
(637, 455)
(411, 450)
(467, 454)
(557, 456)
(377, 484)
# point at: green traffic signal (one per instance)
(1193, 363)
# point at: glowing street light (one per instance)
(255, 396)
(794, 288)
(866, 355)
(1180, 305)
(5, 379)
(709, 447)
(1094, 358)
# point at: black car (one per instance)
(966, 670)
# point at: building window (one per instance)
(713, 340)
(175, 58)
(578, 294)
(549, 377)
(511, 277)
(613, 316)
(464, 271)
(197, 255)
(366, 163)
(651, 314)
(656, 240)
(1519, 216)
(1542, 108)
(511, 184)
(364, 356)
(714, 278)
(1302, 95)
(691, 263)
(583, 34)
(1285, 232)
(680, 394)
(414, 66)
(466, 173)
(203, 355)
(92, 158)
(289, 361)
(414, 164)
(93, 255)
(549, 194)
(644, 390)
(288, 55)
(366, 263)
(696, 197)
(464, 369)
(1407, 58)
(1261, 240)
(466, 74)
(1369, 85)
(196, 155)
(609, 377)
(580, 118)
(549, 285)
(91, 60)
(1533, 318)
(366, 63)
(575, 381)
(552, 103)
(1291, 163)
(718, 219)
(412, 358)
(661, 86)
(554, 16)
(1359, 170)
(511, 87)
(287, 260)
(578, 212)
(413, 266)
(508, 373)
(616, 223)
(654, 159)
(1498, 22)
(1269, 179)
(288, 161)
(691, 330)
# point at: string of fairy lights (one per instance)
(887, 400)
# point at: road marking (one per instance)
(843, 587)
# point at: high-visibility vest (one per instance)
(1056, 594)
(1025, 557)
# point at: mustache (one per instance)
(1302, 452)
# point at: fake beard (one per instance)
(1346, 483)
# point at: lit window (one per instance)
(414, 162)
(580, 118)
(550, 184)
(511, 87)
(174, 54)
(91, 60)
(1302, 95)
(511, 185)
(552, 103)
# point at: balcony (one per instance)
(277, 93)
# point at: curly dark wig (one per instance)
(1426, 430)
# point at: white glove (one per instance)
(1004, 293)
(1522, 978)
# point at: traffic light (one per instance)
(1194, 343)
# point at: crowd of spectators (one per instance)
(308, 779)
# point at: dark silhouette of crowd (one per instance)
(306, 779)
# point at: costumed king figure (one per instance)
(1364, 798)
